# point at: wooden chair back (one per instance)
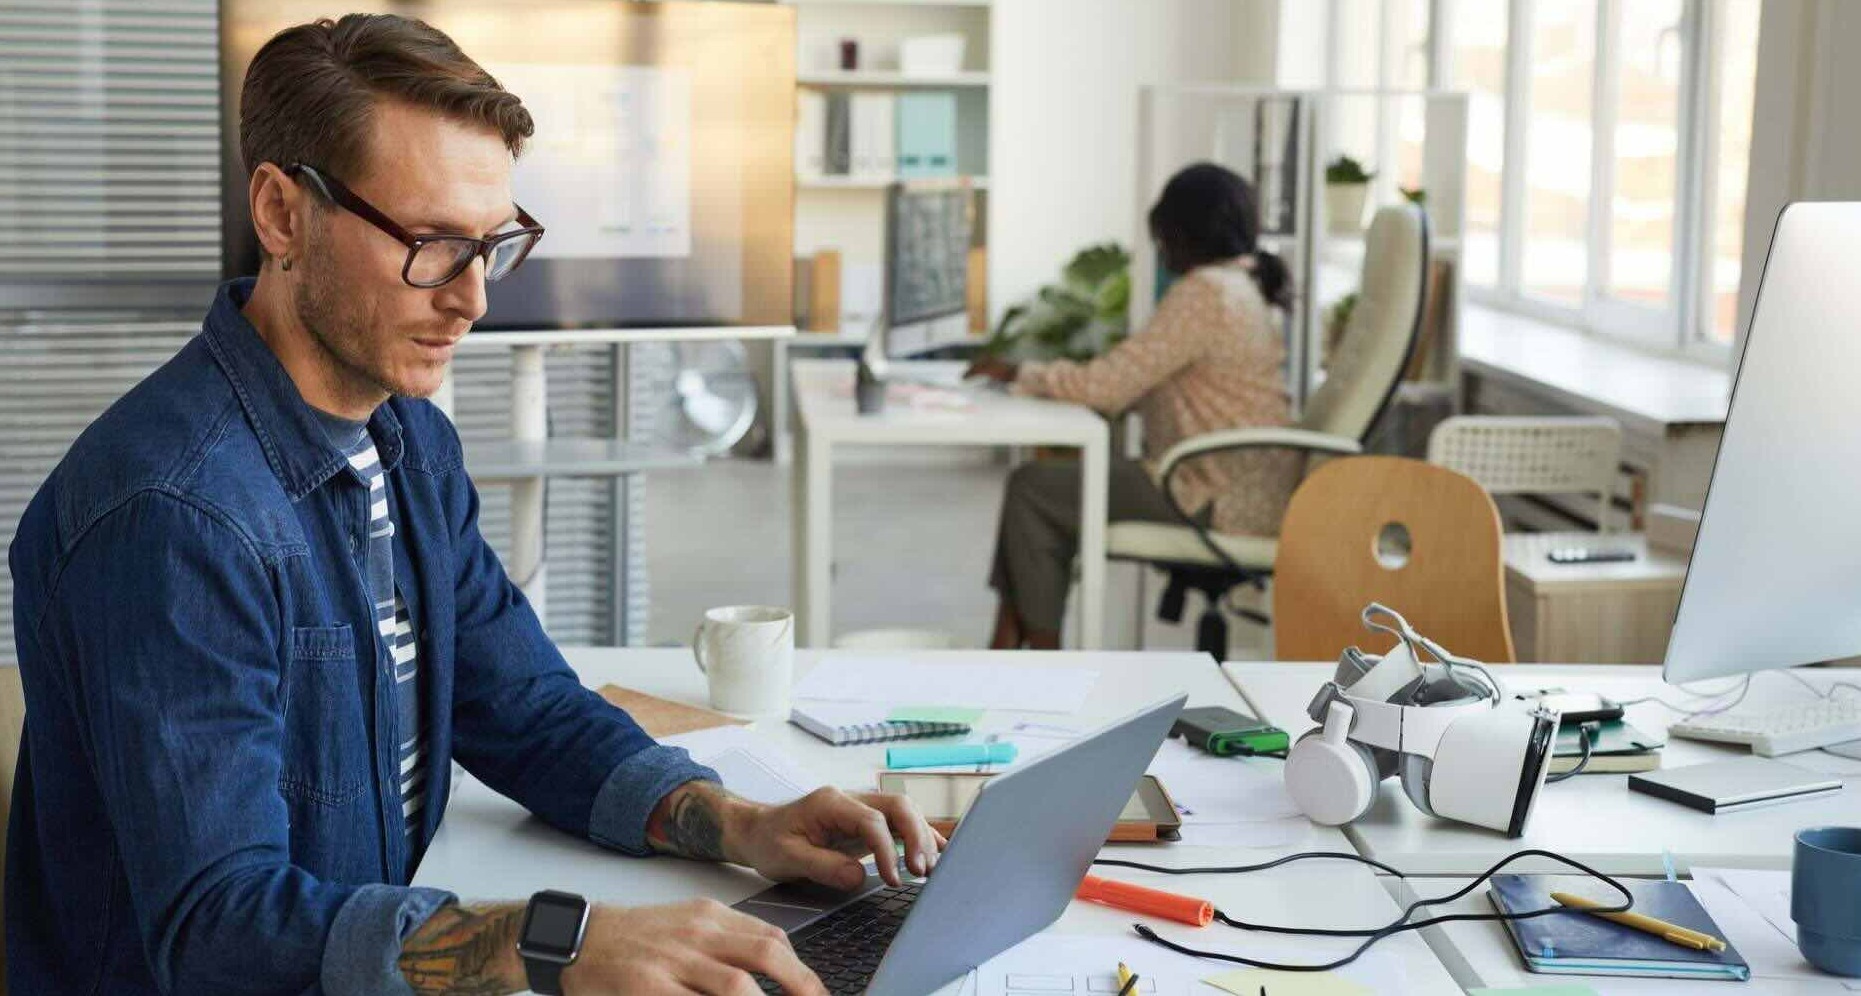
(1422, 540)
(12, 725)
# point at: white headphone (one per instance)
(1463, 751)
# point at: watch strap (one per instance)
(544, 977)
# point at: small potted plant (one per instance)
(1347, 190)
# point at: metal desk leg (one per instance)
(813, 481)
(1095, 465)
(529, 407)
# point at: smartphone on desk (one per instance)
(1576, 707)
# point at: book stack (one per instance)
(875, 136)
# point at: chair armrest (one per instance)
(1256, 438)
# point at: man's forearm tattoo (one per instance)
(465, 951)
(689, 824)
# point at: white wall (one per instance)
(1063, 116)
(1805, 136)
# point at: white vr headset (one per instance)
(1463, 751)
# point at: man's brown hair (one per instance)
(310, 93)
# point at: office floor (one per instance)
(912, 545)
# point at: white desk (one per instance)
(828, 419)
(1593, 818)
(489, 848)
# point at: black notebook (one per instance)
(1571, 942)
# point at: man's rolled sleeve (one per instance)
(635, 787)
(362, 955)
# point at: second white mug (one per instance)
(747, 653)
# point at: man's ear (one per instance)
(279, 207)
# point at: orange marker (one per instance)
(1154, 902)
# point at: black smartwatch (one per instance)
(551, 938)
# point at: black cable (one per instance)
(1370, 935)
(1585, 733)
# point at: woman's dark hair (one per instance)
(1208, 214)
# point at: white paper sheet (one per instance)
(1063, 964)
(1260, 833)
(1223, 789)
(1767, 892)
(899, 681)
(751, 766)
(1767, 952)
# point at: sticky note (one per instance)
(1564, 990)
(934, 714)
(1247, 982)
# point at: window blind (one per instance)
(110, 251)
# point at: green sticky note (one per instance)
(1248, 981)
(934, 714)
(1564, 990)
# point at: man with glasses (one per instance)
(257, 621)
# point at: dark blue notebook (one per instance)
(1576, 943)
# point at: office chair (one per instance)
(1418, 538)
(1530, 455)
(12, 727)
(1366, 367)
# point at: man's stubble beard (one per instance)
(338, 327)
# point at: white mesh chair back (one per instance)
(1521, 455)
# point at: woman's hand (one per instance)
(994, 368)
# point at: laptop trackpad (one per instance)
(792, 905)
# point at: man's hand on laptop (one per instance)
(823, 836)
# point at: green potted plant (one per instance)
(1080, 317)
(1347, 190)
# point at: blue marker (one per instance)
(942, 754)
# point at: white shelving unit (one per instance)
(872, 80)
(847, 213)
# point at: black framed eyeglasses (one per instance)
(432, 260)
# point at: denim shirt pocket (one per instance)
(326, 743)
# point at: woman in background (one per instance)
(1209, 359)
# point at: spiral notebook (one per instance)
(844, 723)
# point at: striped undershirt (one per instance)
(397, 632)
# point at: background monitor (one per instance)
(662, 164)
(1775, 579)
(928, 229)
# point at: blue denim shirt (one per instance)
(207, 797)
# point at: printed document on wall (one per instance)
(608, 172)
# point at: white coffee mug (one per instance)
(747, 652)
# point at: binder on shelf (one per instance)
(873, 143)
(926, 124)
(811, 134)
(839, 151)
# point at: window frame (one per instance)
(1680, 326)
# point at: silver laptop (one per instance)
(1010, 869)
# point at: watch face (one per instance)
(553, 927)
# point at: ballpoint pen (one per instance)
(1670, 932)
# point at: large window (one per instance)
(1606, 152)
(1607, 158)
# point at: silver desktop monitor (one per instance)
(928, 230)
(1775, 579)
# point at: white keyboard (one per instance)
(1779, 731)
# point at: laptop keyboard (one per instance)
(844, 947)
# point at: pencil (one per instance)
(1673, 933)
(1127, 980)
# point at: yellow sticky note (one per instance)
(1247, 982)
